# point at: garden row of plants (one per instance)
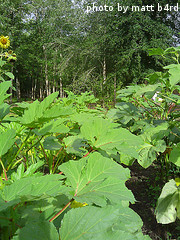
(61, 171)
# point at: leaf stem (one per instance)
(54, 169)
(34, 144)
(143, 107)
(88, 152)
(3, 169)
(22, 145)
(44, 153)
(62, 210)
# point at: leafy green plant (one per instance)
(168, 205)
(5, 59)
(49, 134)
(151, 112)
(60, 171)
(96, 180)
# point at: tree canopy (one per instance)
(61, 46)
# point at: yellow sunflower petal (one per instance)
(4, 42)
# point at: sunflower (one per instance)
(4, 42)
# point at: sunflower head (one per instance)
(4, 42)
(12, 59)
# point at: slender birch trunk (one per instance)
(60, 87)
(46, 72)
(115, 82)
(104, 80)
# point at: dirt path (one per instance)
(146, 185)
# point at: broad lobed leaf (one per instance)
(112, 222)
(168, 206)
(7, 139)
(95, 179)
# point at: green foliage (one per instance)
(168, 206)
(40, 112)
(7, 139)
(60, 46)
(37, 230)
(34, 200)
(4, 86)
(175, 155)
(153, 144)
(80, 148)
(155, 120)
(109, 223)
(96, 179)
(29, 172)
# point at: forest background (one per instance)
(61, 47)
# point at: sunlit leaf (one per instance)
(95, 178)
(7, 139)
(112, 222)
(168, 206)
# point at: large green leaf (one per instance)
(4, 86)
(54, 126)
(7, 139)
(75, 145)
(149, 150)
(82, 118)
(156, 132)
(35, 111)
(112, 222)
(102, 134)
(2, 62)
(168, 206)
(39, 112)
(127, 92)
(29, 172)
(37, 231)
(95, 178)
(4, 204)
(174, 70)
(175, 155)
(44, 209)
(29, 188)
(57, 111)
(10, 75)
(124, 112)
(4, 110)
(153, 143)
(51, 143)
(148, 90)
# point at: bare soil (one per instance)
(146, 185)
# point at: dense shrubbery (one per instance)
(60, 171)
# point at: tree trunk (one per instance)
(32, 88)
(49, 91)
(41, 96)
(46, 73)
(54, 75)
(60, 87)
(35, 86)
(40, 93)
(104, 71)
(115, 90)
(54, 88)
(11, 91)
(18, 90)
(104, 80)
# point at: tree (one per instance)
(61, 46)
